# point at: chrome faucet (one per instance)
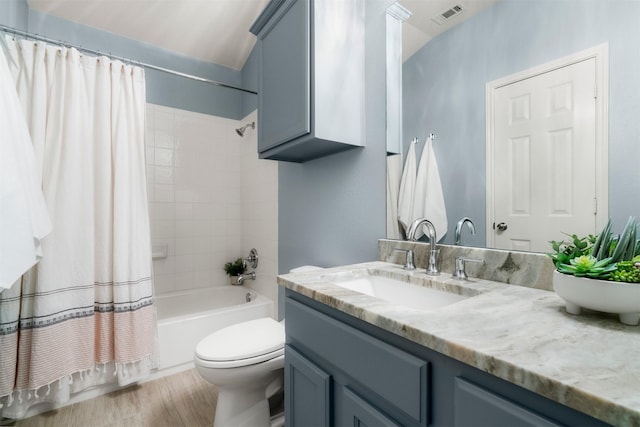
(432, 269)
(459, 225)
(246, 276)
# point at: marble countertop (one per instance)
(523, 335)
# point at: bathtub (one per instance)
(184, 318)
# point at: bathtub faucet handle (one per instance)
(252, 259)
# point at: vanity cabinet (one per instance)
(343, 371)
(309, 397)
(311, 78)
(336, 373)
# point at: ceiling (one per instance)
(217, 31)
(421, 27)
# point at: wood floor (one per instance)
(182, 399)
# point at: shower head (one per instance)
(240, 131)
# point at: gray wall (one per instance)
(332, 210)
(250, 82)
(13, 13)
(162, 88)
(444, 91)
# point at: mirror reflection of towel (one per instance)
(394, 172)
(429, 200)
(407, 188)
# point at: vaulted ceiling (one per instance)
(217, 31)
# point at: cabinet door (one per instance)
(284, 99)
(398, 378)
(358, 413)
(476, 406)
(307, 392)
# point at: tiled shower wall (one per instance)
(259, 206)
(210, 200)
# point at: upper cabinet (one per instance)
(311, 78)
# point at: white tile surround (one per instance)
(210, 200)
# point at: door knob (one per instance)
(502, 226)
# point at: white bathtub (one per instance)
(185, 318)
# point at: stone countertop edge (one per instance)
(584, 362)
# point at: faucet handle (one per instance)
(408, 265)
(459, 272)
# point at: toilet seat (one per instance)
(241, 363)
(242, 344)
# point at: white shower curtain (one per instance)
(84, 315)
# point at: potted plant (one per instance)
(600, 272)
(235, 269)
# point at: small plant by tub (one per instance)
(600, 272)
(235, 269)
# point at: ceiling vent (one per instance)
(447, 14)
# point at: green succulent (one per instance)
(565, 252)
(588, 266)
(235, 268)
(604, 256)
(627, 271)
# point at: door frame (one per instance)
(601, 92)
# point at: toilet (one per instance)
(245, 362)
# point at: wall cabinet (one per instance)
(342, 371)
(311, 78)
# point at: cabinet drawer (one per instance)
(393, 375)
(475, 406)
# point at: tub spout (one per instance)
(246, 276)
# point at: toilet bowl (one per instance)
(245, 362)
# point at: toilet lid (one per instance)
(244, 340)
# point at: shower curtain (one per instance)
(84, 315)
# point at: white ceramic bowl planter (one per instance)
(601, 295)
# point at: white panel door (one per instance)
(544, 158)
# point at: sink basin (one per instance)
(398, 292)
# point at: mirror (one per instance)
(444, 93)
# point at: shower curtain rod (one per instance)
(27, 35)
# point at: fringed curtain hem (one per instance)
(16, 404)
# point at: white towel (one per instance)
(23, 215)
(407, 188)
(429, 199)
(394, 172)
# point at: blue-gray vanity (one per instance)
(506, 355)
